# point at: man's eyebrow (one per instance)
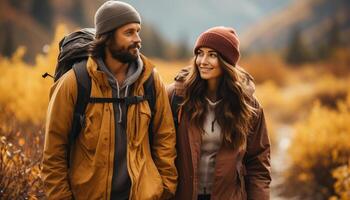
(132, 29)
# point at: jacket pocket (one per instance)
(90, 135)
(81, 175)
(150, 182)
(145, 113)
(143, 119)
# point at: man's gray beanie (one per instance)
(114, 14)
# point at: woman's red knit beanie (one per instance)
(222, 39)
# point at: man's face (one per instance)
(126, 42)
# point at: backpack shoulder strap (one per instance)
(175, 102)
(84, 90)
(84, 86)
(150, 93)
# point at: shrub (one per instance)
(19, 176)
(342, 184)
(320, 144)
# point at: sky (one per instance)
(185, 20)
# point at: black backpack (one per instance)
(73, 53)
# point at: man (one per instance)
(111, 158)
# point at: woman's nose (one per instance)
(203, 60)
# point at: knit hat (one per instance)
(114, 14)
(222, 39)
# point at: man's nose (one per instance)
(137, 38)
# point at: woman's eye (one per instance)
(213, 55)
(200, 54)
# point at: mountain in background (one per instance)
(183, 19)
(313, 20)
(168, 26)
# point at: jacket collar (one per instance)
(101, 77)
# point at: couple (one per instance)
(219, 150)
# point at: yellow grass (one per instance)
(168, 70)
(287, 96)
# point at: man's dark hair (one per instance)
(97, 46)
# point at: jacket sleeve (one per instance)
(58, 123)
(170, 89)
(257, 160)
(164, 139)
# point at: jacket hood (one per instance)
(247, 81)
(133, 73)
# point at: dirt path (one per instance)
(279, 159)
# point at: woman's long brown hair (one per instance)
(233, 113)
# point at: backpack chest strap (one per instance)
(127, 100)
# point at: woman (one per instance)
(222, 142)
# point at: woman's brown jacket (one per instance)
(239, 174)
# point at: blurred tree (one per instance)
(334, 35)
(183, 50)
(42, 12)
(322, 51)
(16, 3)
(9, 46)
(331, 43)
(296, 50)
(23, 6)
(153, 44)
(77, 13)
(158, 42)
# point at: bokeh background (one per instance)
(297, 51)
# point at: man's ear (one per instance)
(111, 37)
(109, 40)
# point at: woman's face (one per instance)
(207, 62)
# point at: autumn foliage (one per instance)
(312, 100)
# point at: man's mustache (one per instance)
(135, 45)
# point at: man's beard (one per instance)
(124, 55)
